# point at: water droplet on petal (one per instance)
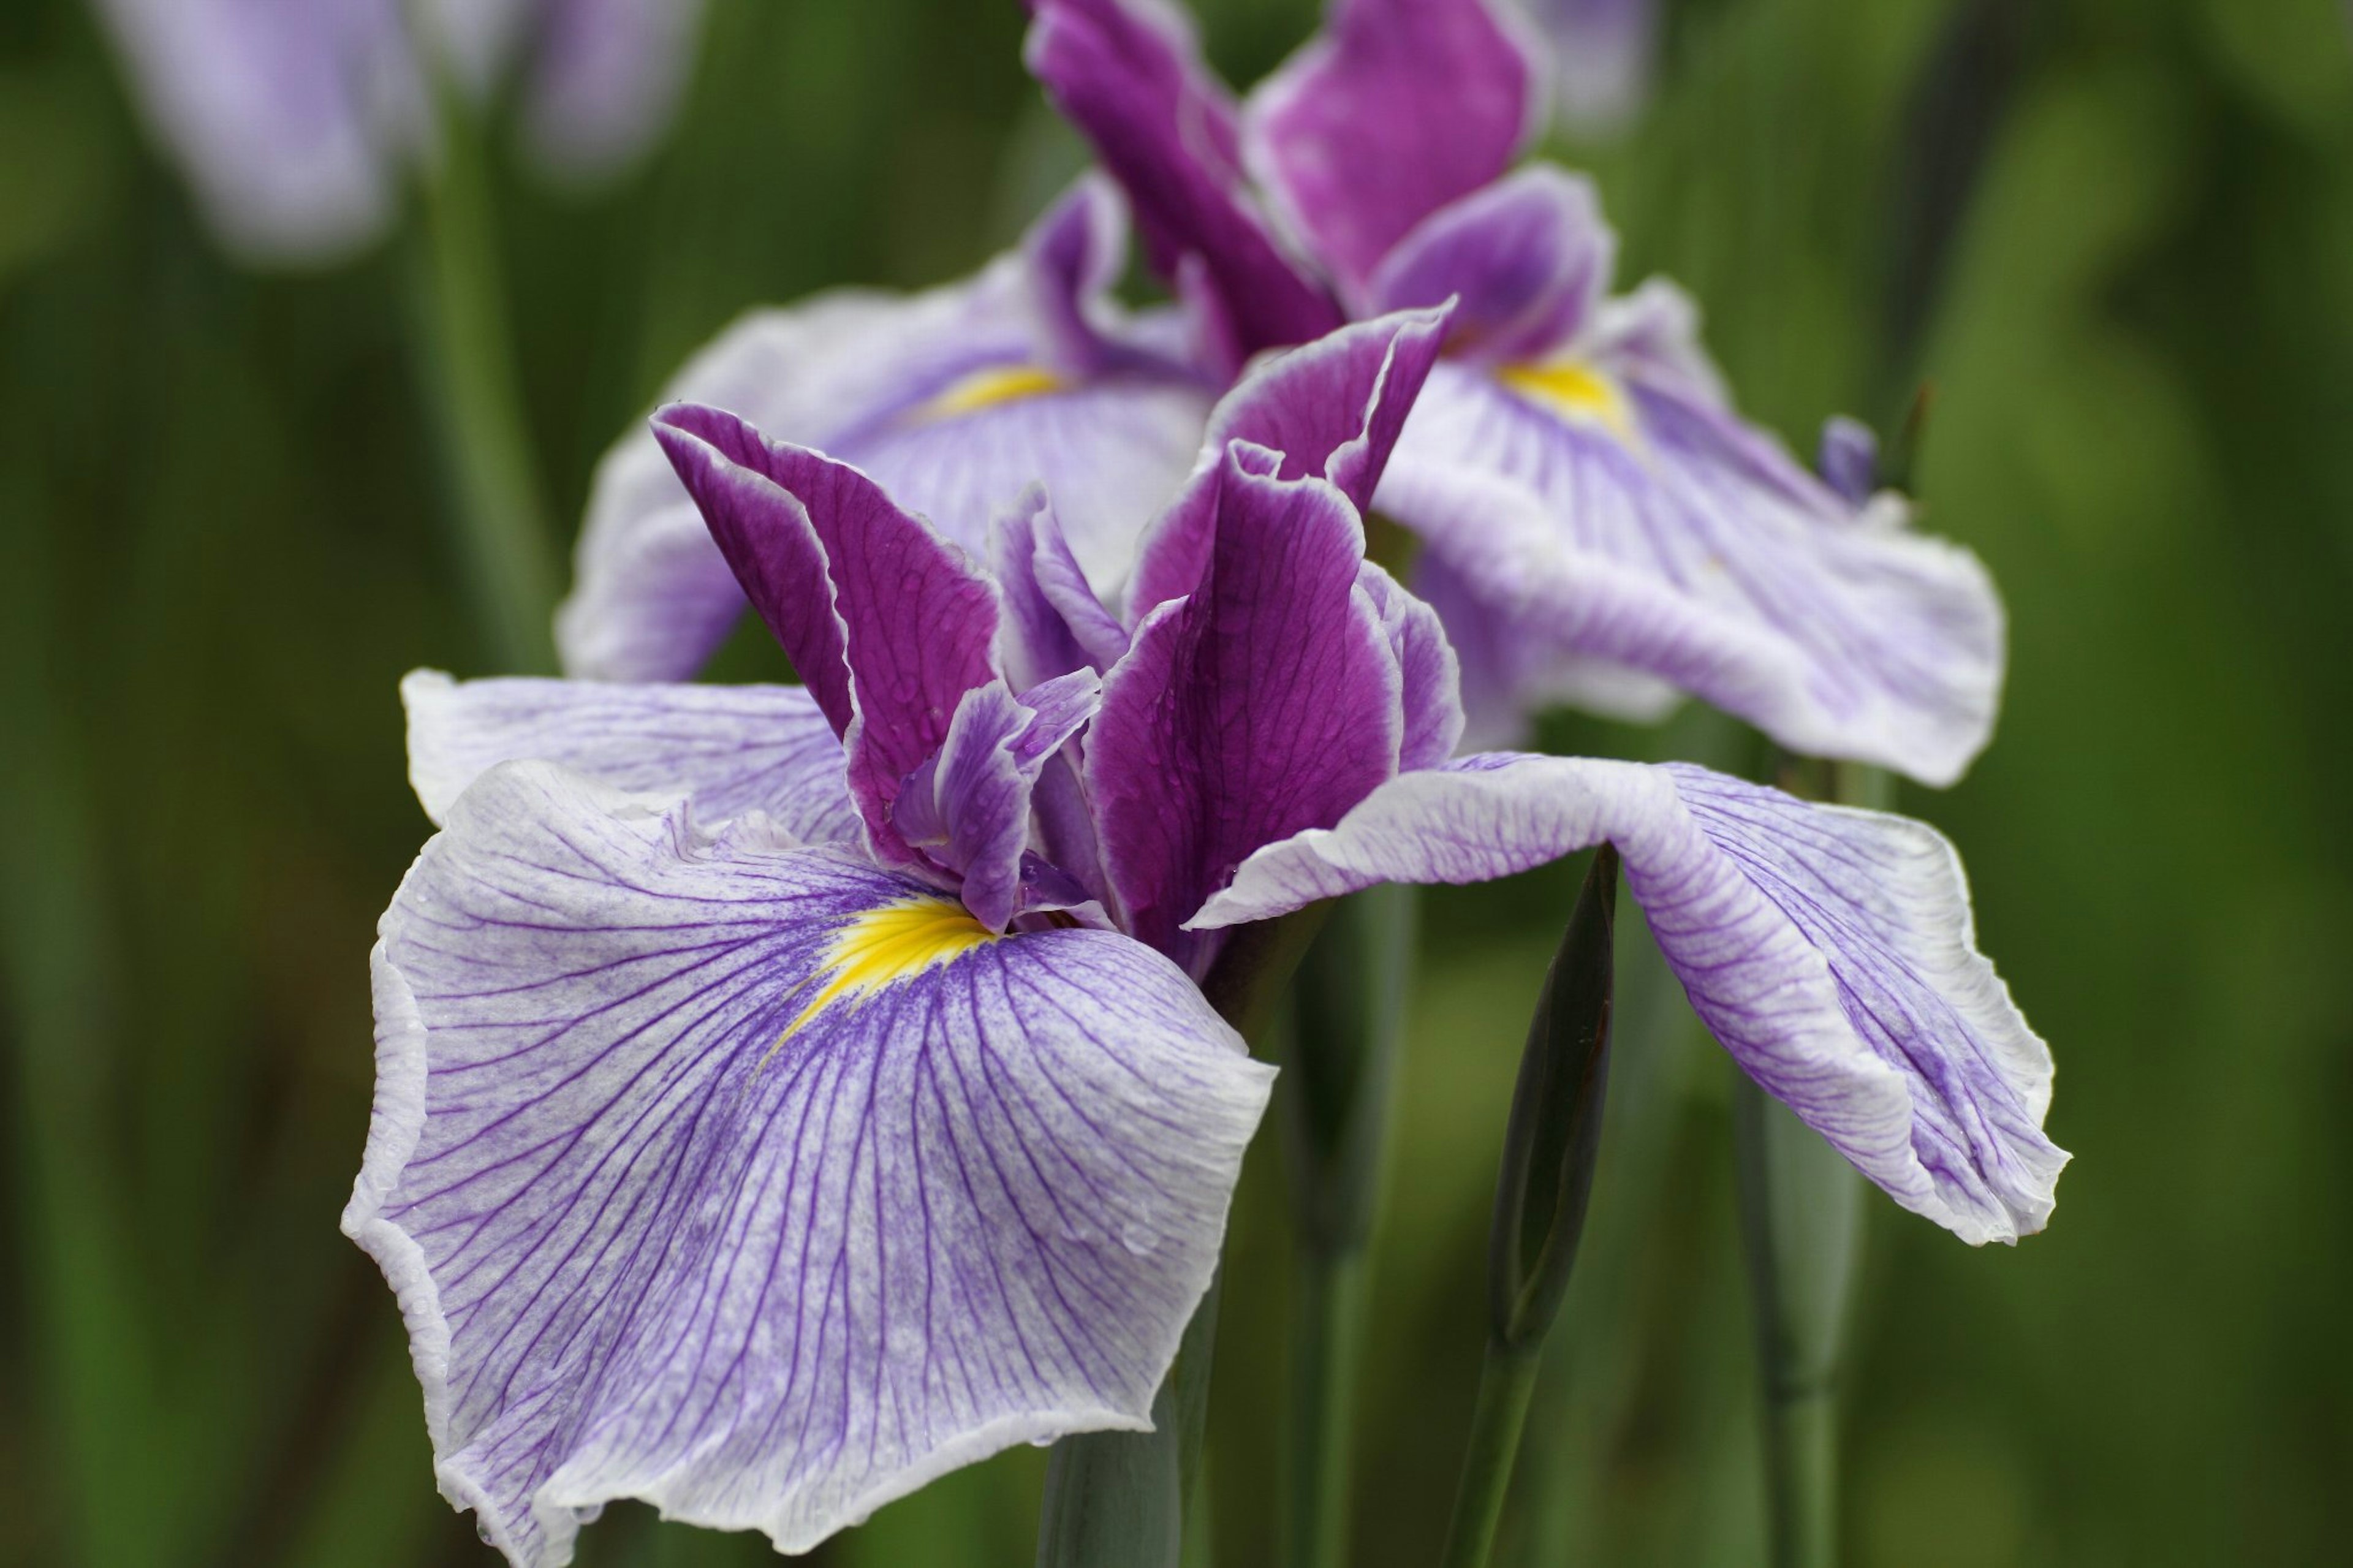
(1138, 1239)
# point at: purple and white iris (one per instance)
(1599, 525)
(295, 120)
(956, 400)
(788, 1094)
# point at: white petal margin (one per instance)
(875, 380)
(1831, 951)
(734, 750)
(650, 1240)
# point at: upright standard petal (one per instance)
(956, 401)
(889, 623)
(1396, 109)
(1267, 701)
(734, 750)
(1331, 409)
(1603, 53)
(1635, 539)
(1831, 950)
(1525, 261)
(1127, 74)
(760, 1185)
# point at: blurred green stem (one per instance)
(1340, 1078)
(474, 404)
(1801, 1232)
(1506, 1379)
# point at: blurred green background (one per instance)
(2116, 235)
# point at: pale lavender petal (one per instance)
(291, 122)
(1398, 108)
(1427, 672)
(1332, 409)
(953, 400)
(888, 624)
(1526, 261)
(674, 1213)
(604, 78)
(1658, 539)
(1831, 950)
(732, 749)
(1128, 75)
(1267, 701)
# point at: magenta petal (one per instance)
(887, 623)
(1266, 702)
(1331, 410)
(1127, 74)
(1526, 261)
(1399, 107)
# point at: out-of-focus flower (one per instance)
(1602, 54)
(295, 120)
(1602, 526)
(787, 1095)
(956, 400)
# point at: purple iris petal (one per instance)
(1396, 109)
(734, 750)
(958, 401)
(1526, 261)
(1127, 73)
(686, 1200)
(1333, 409)
(1429, 677)
(1267, 701)
(1849, 459)
(1053, 622)
(887, 623)
(1603, 52)
(968, 808)
(1830, 950)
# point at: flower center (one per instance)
(1573, 390)
(990, 388)
(895, 943)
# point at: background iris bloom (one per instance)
(295, 122)
(1602, 527)
(788, 1094)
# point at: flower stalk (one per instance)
(1348, 1029)
(1549, 1149)
(467, 374)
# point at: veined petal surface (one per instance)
(1831, 950)
(1397, 108)
(733, 750)
(763, 1185)
(1640, 530)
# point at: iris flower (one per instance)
(788, 1094)
(295, 121)
(1599, 524)
(956, 400)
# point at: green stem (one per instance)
(1505, 1383)
(473, 397)
(1327, 1339)
(1340, 1079)
(1800, 1213)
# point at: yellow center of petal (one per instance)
(881, 947)
(989, 389)
(1574, 389)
